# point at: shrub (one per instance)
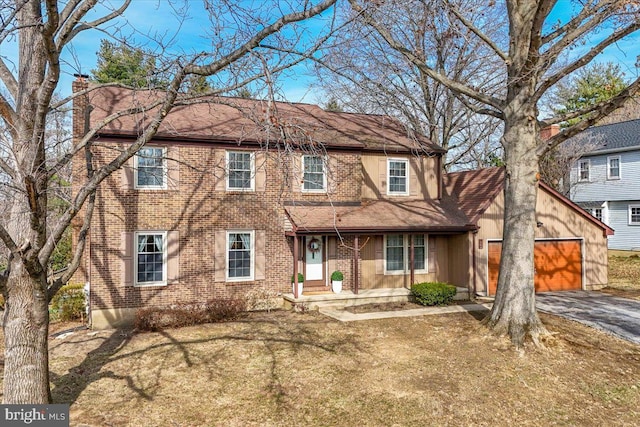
(68, 303)
(337, 276)
(180, 315)
(300, 278)
(433, 293)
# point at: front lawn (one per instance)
(624, 274)
(286, 369)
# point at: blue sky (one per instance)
(158, 18)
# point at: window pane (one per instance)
(635, 215)
(239, 255)
(397, 177)
(584, 170)
(614, 168)
(313, 173)
(150, 258)
(419, 251)
(150, 167)
(395, 252)
(239, 170)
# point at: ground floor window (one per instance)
(151, 258)
(240, 255)
(397, 253)
(634, 214)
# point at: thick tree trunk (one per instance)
(514, 310)
(26, 325)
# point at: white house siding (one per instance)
(626, 237)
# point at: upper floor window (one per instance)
(397, 253)
(314, 176)
(151, 256)
(613, 167)
(634, 214)
(240, 175)
(240, 255)
(584, 170)
(150, 168)
(596, 212)
(397, 174)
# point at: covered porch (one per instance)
(381, 248)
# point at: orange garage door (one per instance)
(558, 265)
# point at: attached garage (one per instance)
(558, 265)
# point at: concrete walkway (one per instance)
(345, 316)
(614, 315)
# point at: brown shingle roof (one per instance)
(381, 215)
(474, 190)
(254, 121)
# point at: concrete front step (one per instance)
(349, 299)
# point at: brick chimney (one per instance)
(80, 104)
(549, 132)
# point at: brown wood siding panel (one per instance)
(332, 253)
(173, 256)
(458, 258)
(126, 255)
(558, 265)
(431, 257)
(379, 254)
(414, 174)
(382, 175)
(260, 252)
(220, 173)
(173, 168)
(220, 243)
(126, 175)
(261, 171)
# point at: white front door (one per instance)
(314, 250)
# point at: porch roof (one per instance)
(380, 216)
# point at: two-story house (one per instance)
(606, 180)
(233, 194)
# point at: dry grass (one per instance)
(285, 369)
(624, 274)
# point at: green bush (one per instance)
(300, 278)
(433, 293)
(337, 276)
(68, 303)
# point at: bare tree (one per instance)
(532, 67)
(43, 31)
(366, 75)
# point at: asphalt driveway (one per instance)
(614, 315)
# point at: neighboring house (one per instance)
(606, 180)
(236, 196)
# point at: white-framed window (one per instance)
(613, 167)
(596, 212)
(398, 176)
(240, 255)
(150, 168)
(397, 255)
(150, 258)
(240, 171)
(584, 167)
(314, 177)
(634, 214)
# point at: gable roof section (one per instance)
(474, 190)
(622, 136)
(238, 120)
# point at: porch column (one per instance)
(356, 262)
(295, 265)
(411, 260)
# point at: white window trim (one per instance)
(252, 233)
(252, 185)
(324, 175)
(629, 214)
(609, 167)
(398, 193)
(588, 178)
(406, 247)
(164, 171)
(164, 259)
